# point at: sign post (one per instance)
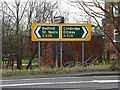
(83, 53)
(61, 64)
(59, 19)
(56, 54)
(39, 54)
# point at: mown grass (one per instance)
(48, 70)
(24, 61)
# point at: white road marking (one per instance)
(51, 83)
(106, 76)
(106, 81)
(46, 83)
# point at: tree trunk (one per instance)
(32, 57)
(18, 49)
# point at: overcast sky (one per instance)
(75, 15)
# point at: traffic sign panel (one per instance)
(74, 32)
(60, 32)
(46, 32)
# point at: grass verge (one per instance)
(48, 70)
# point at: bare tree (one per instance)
(14, 18)
(32, 7)
(15, 11)
(99, 13)
(39, 12)
(8, 41)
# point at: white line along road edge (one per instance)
(76, 82)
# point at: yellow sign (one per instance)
(60, 32)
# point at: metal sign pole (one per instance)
(61, 43)
(38, 54)
(83, 53)
(1, 26)
(56, 54)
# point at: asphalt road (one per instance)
(66, 83)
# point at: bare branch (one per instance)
(97, 13)
(7, 14)
(10, 9)
(100, 27)
(107, 35)
(24, 10)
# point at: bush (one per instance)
(115, 65)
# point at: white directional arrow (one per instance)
(85, 32)
(37, 30)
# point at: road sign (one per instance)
(74, 32)
(60, 32)
(45, 32)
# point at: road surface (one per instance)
(66, 83)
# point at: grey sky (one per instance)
(75, 15)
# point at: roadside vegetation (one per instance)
(48, 70)
(25, 61)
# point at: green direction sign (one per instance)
(47, 31)
(74, 31)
